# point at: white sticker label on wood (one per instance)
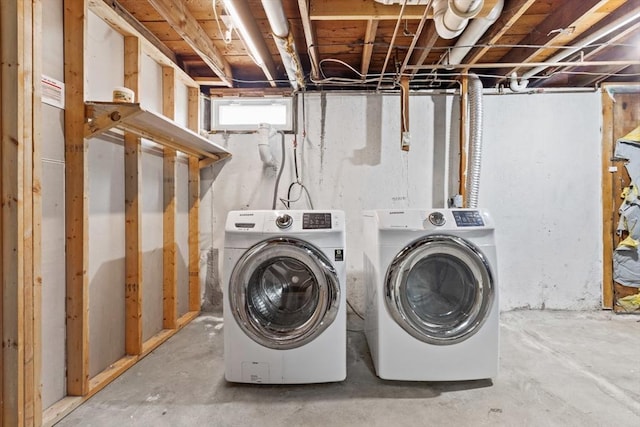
(52, 92)
(613, 169)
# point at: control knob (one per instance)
(284, 221)
(437, 219)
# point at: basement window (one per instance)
(245, 114)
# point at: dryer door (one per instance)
(284, 292)
(439, 289)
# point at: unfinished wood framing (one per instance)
(101, 117)
(170, 271)
(133, 209)
(76, 201)
(367, 50)
(619, 118)
(12, 253)
(194, 206)
(20, 214)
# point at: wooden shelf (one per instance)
(130, 117)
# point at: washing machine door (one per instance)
(284, 292)
(440, 289)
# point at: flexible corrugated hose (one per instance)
(475, 140)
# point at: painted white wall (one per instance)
(53, 225)
(351, 160)
(540, 179)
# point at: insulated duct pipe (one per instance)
(475, 141)
(451, 16)
(284, 41)
(472, 34)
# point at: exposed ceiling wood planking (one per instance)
(337, 30)
(180, 18)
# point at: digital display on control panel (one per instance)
(468, 218)
(315, 220)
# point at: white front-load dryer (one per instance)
(432, 311)
(284, 297)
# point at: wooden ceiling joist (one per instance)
(369, 39)
(570, 14)
(507, 19)
(310, 37)
(182, 21)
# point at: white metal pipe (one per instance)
(602, 32)
(451, 16)
(473, 32)
(284, 42)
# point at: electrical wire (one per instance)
(354, 310)
(217, 17)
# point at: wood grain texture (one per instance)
(76, 200)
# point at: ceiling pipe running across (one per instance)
(251, 36)
(472, 34)
(284, 41)
(451, 16)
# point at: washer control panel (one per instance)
(284, 221)
(437, 219)
(316, 220)
(468, 218)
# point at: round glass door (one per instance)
(439, 289)
(284, 292)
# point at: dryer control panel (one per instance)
(468, 218)
(316, 220)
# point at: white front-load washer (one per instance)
(432, 311)
(284, 297)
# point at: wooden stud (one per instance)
(194, 241)
(133, 210)
(121, 22)
(36, 195)
(76, 200)
(12, 123)
(170, 272)
(607, 202)
(194, 206)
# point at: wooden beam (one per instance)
(426, 41)
(170, 272)
(36, 195)
(194, 241)
(608, 204)
(182, 21)
(12, 123)
(194, 207)
(569, 14)
(76, 200)
(310, 37)
(367, 50)
(133, 209)
(123, 26)
(507, 19)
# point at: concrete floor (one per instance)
(557, 369)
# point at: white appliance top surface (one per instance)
(432, 219)
(286, 221)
